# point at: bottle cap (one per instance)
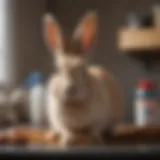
(34, 79)
(147, 85)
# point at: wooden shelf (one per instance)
(139, 39)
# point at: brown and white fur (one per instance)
(79, 95)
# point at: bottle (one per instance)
(35, 85)
(146, 104)
(133, 21)
(156, 15)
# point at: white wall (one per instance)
(6, 59)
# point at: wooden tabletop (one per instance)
(124, 134)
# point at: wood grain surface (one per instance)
(126, 134)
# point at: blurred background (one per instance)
(22, 49)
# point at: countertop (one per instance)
(110, 152)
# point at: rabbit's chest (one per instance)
(76, 118)
(83, 118)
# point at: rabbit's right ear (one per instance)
(86, 30)
(52, 33)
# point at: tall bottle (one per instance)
(146, 103)
(35, 84)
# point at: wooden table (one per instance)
(124, 134)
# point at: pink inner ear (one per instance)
(89, 34)
(51, 36)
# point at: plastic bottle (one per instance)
(36, 98)
(146, 104)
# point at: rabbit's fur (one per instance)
(79, 96)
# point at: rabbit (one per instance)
(81, 99)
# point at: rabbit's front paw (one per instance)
(98, 140)
(66, 141)
(76, 141)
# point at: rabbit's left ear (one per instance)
(52, 33)
(86, 31)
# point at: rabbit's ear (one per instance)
(86, 31)
(52, 33)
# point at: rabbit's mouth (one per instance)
(75, 102)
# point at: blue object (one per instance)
(34, 79)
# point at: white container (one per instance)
(36, 99)
(36, 104)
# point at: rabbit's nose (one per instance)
(71, 91)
